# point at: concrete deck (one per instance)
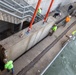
(35, 51)
(47, 58)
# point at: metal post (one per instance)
(21, 25)
(34, 15)
(48, 11)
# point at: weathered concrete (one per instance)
(16, 45)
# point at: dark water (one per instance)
(65, 63)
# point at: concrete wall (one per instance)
(45, 4)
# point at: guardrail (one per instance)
(14, 9)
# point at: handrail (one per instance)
(10, 7)
(17, 3)
(10, 13)
(5, 7)
(16, 9)
(8, 2)
(21, 14)
(14, 14)
(20, 5)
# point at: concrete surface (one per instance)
(27, 58)
(35, 51)
(32, 54)
(15, 44)
(48, 57)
